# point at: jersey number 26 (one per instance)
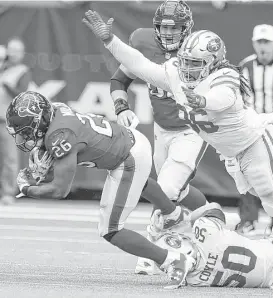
(97, 123)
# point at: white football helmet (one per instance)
(201, 53)
(177, 242)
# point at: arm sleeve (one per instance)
(138, 64)
(220, 98)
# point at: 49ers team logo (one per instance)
(214, 45)
(173, 242)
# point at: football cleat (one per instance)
(178, 216)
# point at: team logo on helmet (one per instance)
(29, 106)
(173, 242)
(214, 45)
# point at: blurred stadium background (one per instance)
(69, 65)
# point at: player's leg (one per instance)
(120, 196)
(257, 166)
(185, 152)
(176, 157)
(146, 266)
(249, 212)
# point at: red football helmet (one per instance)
(28, 118)
(173, 13)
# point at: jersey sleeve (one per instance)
(60, 142)
(223, 91)
(138, 64)
(206, 227)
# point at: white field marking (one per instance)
(51, 239)
(68, 217)
(232, 219)
(56, 267)
(63, 211)
(53, 229)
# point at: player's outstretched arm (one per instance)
(119, 85)
(208, 210)
(131, 58)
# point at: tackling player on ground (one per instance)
(174, 167)
(209, 92)
(74, 139)
(222, 258)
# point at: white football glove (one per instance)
(128, 118)
(39, 166)
(23, 179)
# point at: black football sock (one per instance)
(155, 195)
(194, 199)
(135, 244)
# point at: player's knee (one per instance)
(109, 236)
(175, 182)
(174, 191)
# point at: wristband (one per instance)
(24, 190)
(121, 105)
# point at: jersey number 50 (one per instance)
(238, 267)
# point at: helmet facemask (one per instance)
(201, 53)
(193, 70)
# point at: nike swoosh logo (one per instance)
(55, 143)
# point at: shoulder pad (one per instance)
(60, 142)
(209, 225)
(140, 37)
(226, 76)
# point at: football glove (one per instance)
(194, 100)
(128, 118)
(101, 29)
(24, 178)
(39, 163)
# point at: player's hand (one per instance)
(24, 178)
(194, 100)
(40, 163)
(128, 118)
(101, 29)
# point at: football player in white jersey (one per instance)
(175, 168)
(208, 91)
(216, 256)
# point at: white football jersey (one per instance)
(231, 130)
(228, 259)
(223, 257)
